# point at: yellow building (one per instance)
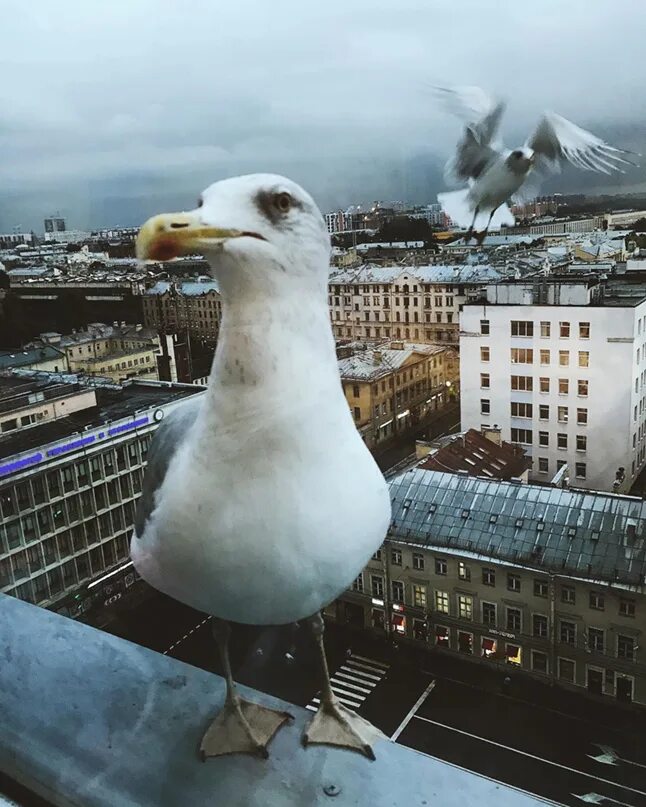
(395, 387)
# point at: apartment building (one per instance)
(414, 303)
(544, 580)
(560, 367)
(192, 306)
(70, 475)
(396, 386)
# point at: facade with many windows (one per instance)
(546, 580)
(187, 306)
(68, 490)
(561, 369)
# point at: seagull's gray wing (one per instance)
(556, 140)
(168, 437)
(479, 146)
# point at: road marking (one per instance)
(609, 756)
(186, 635)
(370, 684)
(340, 691)
(311, 708)
(411, 714)
(369, 667)
(361, 673)
(348, 684)
(597, 798)
(351, 704)
(544, 799)
(361, 682)
(370, 661)
(531, 756)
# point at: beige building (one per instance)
(192, 306)
(394, 387)
(547, 581)
(414, 303)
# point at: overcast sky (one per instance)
(110, 111)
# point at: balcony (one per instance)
(90, 719)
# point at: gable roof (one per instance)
(478, 456)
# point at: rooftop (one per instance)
(188, 288)
(478, 456)
(375, 363)
(105, 722)
(462, 273)
(585, 534)
(22, 358)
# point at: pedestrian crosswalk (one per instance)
(353, 681)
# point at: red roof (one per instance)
(479, 456)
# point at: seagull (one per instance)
(496, 174)
(261, 503)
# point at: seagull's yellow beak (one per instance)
(168, 235)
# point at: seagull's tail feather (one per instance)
(459, 208)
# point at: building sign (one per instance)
(502, 633)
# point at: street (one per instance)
(554, 744)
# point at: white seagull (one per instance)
(496, 174)
(261, 504)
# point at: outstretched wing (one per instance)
(168, 437)
(479, 146)
(556, 140)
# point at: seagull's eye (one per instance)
(200, 202)
(283, 202)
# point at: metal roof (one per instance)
(461, 273)
(586, 534)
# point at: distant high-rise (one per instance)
(55, 224)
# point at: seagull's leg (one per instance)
(469, 234)
(333, 724)
(481, 236)
(241, 727)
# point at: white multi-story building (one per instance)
(560, 367)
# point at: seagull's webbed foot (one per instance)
(333, 724)
(242, 727)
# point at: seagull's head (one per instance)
(258, 232)
(520, 160)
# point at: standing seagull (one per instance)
(496, 174)
(261, 503)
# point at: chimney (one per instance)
(493, 434)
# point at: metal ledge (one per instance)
(89, 719)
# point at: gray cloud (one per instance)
(110, 111)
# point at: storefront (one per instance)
(442, 636)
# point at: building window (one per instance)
(539, 626)
(564, 386)
(544, 384)
(513, 620)
(626, 607)
(357, 413)
(568, 595)
(513, 582)
(522, 327)
(440, 566)
(539, 662)
(564, 358)
(561, 440)
(540, 588)
(489, 613)
(377, 555)
(584, 330)
(396, 557)
(357, 583)
(545, 356)
(596, 640)
(544, 411)
(545, 329)
(442, 636)
(544, 439)
(626, 647)
(543, 465)
(355, 390)
(397, 590)
(562, 414)
(580, 470)
(522, 355)
(521, 436)
(485, 406)
(564, 330)
(584, 358)
(484, 327)
(442, 602)
(484, 354)
(489, 577)
(582, 416)
(566, 669)
(597, 600)
(520, 410)
(582, 388)
(418, 561)
(419, 596)
(464, 573)
(485, 381)
(465, 607)
(522, 382)
(377, 586)
(567, 632)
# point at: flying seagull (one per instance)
(496, 174)
(261, 503)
